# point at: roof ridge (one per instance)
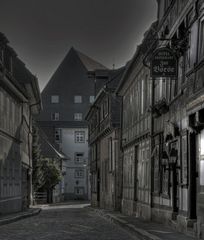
(90, 63)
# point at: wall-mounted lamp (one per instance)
(173, 156)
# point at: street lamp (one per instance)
(173, 156)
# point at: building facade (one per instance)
(57, 159)
(104, 142)
(19, 101)
(66, 99)
(178, 118)
(135, 90)
(162, 123)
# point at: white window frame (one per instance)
(79, 173)
(79, 191)
(78, 116)
(55, 116)
(58, 135)
(79, 157)
(55, 99)
(91, 99)
(77, 99)
(79, 136)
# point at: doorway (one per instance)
(193, 155)
(136, 173)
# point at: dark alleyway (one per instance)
(64, 222)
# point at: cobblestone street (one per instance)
(64, 222)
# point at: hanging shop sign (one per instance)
(164, 64)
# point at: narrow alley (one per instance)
(64, 222)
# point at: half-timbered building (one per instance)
(19, 100)
(104, 142)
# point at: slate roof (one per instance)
(89, 63)
(20, 75)
(48, 150)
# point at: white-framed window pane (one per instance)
(79, 136)
(54, 99)
(91, 99)
(55, 116)
(79, 173)
(79, 190)
(77, 99)
(78, 116)
(58, 135)
(79, 157)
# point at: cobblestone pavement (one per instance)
(64, 222)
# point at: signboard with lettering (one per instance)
(164, 64)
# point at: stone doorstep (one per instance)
(18, 216)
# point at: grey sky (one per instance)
(42, 31)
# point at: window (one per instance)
(184, 161)
(79, 190)
(202, 159)
(142, 96)
(104, 109)
(55, 116)
(54, 99)
(78, 116)
(91, 99)
(79, 173)
(79, 157)
(79, 136)
(110, 153)
(58, 135)
(201, 45)
(77, 99)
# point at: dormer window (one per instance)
(78, 116)
(77, 99)
(55, 116)
(54, 99)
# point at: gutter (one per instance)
(12, 88)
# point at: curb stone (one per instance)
(142, 234)
(10, 219)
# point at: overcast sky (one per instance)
(43, 31)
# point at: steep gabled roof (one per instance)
(89, 63)
(78, 59)
(48, 150)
